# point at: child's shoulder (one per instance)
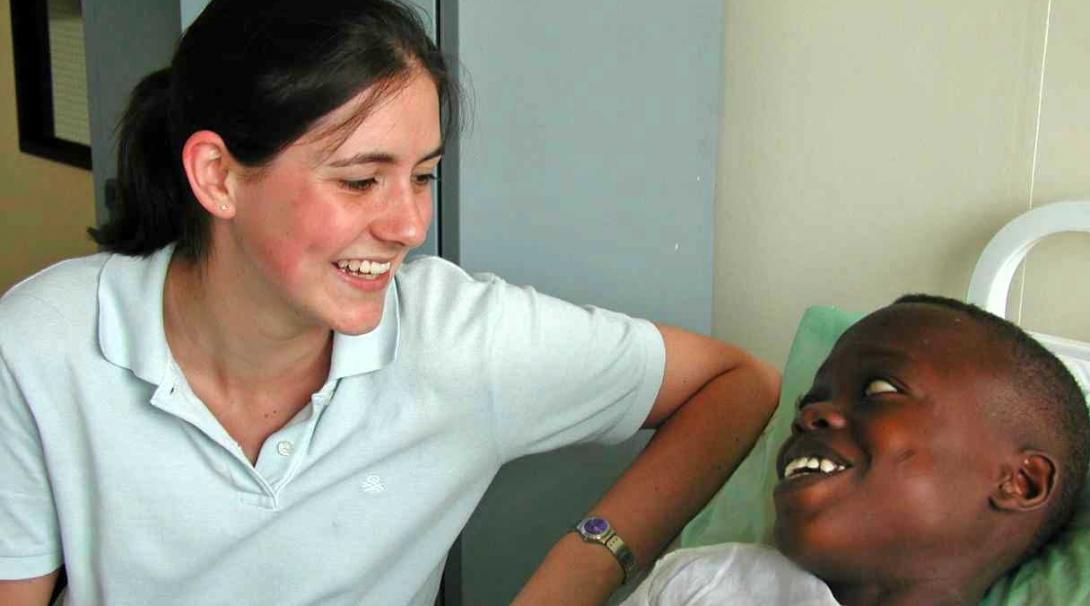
(730, 573)
(722, 556)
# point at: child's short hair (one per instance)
(1047, 396)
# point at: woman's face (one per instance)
(318, 235)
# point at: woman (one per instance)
(240, 403)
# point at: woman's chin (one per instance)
(357, 326)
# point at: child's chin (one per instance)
(803, 545)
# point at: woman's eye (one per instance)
(358, 184)
(878, 386)
(424, 179)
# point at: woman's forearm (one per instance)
(691, 455)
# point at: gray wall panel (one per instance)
(589, 166)
(587, 171)
(125, 41)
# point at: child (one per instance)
(938, 448)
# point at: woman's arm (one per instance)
(28, 592)
(714, 401)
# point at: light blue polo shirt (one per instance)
(111, 465)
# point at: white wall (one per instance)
(872, 148)
(1057, 276)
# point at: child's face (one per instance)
(896, 419)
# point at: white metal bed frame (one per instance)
(991, 280)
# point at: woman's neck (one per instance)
(253, 372)
(214, 325)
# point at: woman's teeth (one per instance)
(805, 465)
(362, 268)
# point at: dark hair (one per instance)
(260, 74)
(1048, 393)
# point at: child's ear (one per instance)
(1027, 482)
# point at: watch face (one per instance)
(595, 526)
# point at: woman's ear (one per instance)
(1027, 483)
(207, 164)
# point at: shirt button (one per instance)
(285, 448)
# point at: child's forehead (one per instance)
(905, 325)
(915, 334)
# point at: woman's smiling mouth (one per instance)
(362, 268)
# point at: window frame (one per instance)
(34, 87)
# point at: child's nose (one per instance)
(819, 415)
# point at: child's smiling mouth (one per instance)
(807, 458)
(803, 471)
(801, 466)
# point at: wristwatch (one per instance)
(598, 530)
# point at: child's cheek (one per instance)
(916, 483)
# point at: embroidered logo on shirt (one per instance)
(373, 485)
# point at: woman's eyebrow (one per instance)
(380, 158)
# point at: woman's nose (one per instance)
(407, 217)
(819, 415)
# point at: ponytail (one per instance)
(152, 208)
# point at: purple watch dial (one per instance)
(595, 526)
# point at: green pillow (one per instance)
(742, 510)
(1059, 574)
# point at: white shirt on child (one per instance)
(738, 574)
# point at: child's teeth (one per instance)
(811, 464)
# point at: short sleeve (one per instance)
(563, 374)
(29, 536)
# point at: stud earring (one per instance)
(224, 207)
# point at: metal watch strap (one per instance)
(608, 538)
(623, 554)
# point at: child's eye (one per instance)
(358, 184)
(878, 386)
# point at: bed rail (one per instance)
(991, 280)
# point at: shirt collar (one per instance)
(130, 313)
(131, 332)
